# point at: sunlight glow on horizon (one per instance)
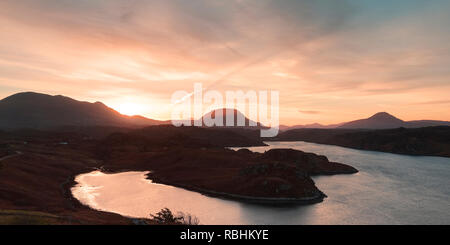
(130, 109)
(331, 61)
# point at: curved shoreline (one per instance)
(273, 201)
(314, 196)
(270, 201)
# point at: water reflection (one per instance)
(389, 189)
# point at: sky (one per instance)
(331, 61)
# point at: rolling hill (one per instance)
(42, 111)
(381, 120)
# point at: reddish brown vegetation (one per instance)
(37, 175)
(39, 180)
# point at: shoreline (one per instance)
(362, 148)
(313, 197)
(270, 201)
(61, 171)
(415, 145)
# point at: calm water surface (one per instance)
(389, 189)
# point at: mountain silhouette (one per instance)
(42, 111)
(384, 120)
(223, 114)
(381, 120)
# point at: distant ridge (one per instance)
(42, 111)
(380, 120)
(384, 120)
(312, 125)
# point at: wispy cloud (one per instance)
(345, 56)
(309, 112)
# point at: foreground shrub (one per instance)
(166, 217)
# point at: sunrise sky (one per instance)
(331, 61)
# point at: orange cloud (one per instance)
(344, 59)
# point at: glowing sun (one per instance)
(130, 109)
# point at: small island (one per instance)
(276, 177)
